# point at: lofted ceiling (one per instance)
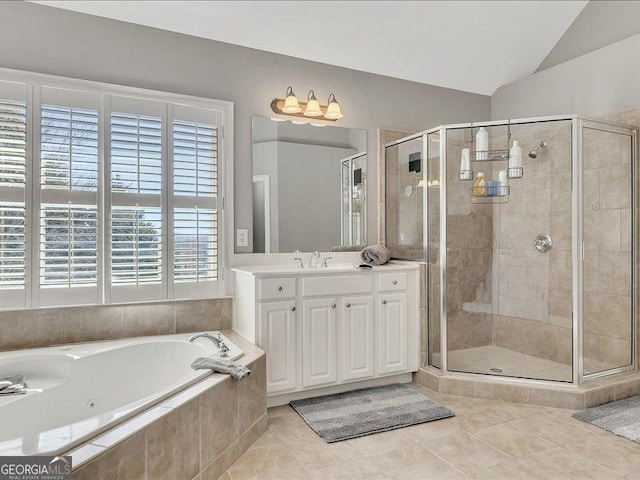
(476, 46)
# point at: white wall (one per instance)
(603, 81)
(49, 40)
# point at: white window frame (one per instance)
(211, 289)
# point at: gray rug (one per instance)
(362, 412)
(621, 417)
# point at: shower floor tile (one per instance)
(513, 364)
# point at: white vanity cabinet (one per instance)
(329, 329)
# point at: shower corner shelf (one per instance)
(501, 195)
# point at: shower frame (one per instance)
(578, 123)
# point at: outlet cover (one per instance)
(242, 237)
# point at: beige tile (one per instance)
(148, 319)
(290, 426)
(556, 398)
(380, 443)
(627, 389)
(466, 453)
(181, 427)
(507, 393)
(252, 395)
(454, 386)
(280, 410)
(614, 351)
(218, 419)
(600, 396)
(363, 468)
(511, 441)
(219, 468)
(248, 438)
(31, 328)
(511, 470)
(124, 462)
(561, 463)
(315, 453)
(226, 311)
(87, 324)
(198, 315)
(414, 462)
(426, 432)
(267, 463)
(507, 411)
(615, 457)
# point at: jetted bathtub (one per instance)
(77, 391)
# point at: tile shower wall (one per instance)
(54, 326)
(533, 305)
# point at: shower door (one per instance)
(507, 270)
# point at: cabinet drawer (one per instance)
(390, 282)
(275, 288)
(338, 285)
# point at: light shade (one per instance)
(291, 102)
(333, 109)
(313, 106)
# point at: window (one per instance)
(121, 201)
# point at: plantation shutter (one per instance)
(13, 162)
(137, 227)
(194, 161)
(68, 185)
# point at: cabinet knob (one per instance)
(384, 302)
(293, 309)
(333, 305)
(347, 305)
(279, 289)
(395, 282)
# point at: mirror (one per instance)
(309, 187)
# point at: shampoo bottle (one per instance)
(480, 186)
(515, 155)
(482, 144)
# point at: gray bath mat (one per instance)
(362, 412)
(621, 417)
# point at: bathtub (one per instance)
(77, 391)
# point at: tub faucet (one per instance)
(13, 385)
(315, 258)
(217, 340)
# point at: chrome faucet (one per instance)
(217, 340)
(313, 261)
(324, 262)
(300, 262)
(13, 385)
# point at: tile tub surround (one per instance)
(54, 326)
(485, 440)
(199, 431)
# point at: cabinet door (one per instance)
(319, 342)
(392, 333)
(278, 340)
(357, 338)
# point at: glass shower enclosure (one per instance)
(531, 258)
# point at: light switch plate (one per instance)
(242, 237)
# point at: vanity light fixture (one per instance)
(313, 106)
(333, 109)
(311, 109)
(291, 104)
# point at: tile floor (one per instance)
(513, 364)
(486, 440)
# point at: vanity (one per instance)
(329, 329)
